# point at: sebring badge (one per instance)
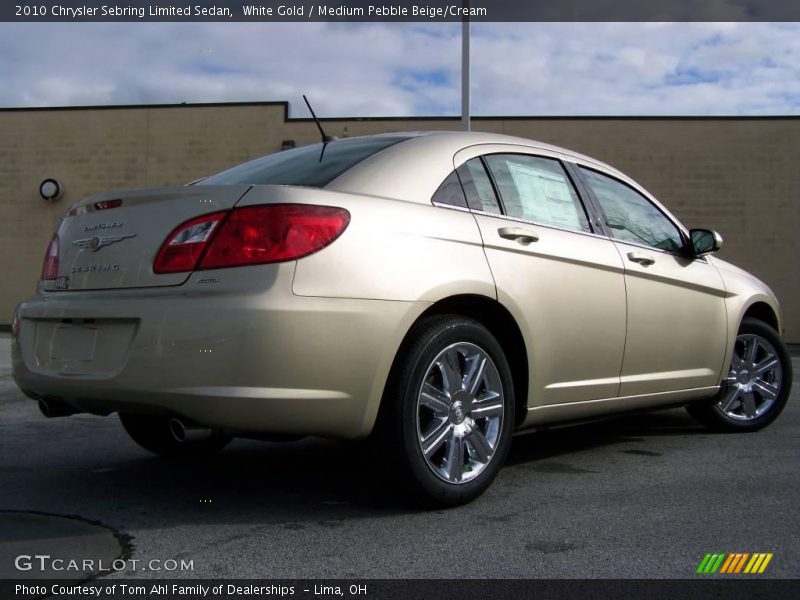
(94, 244)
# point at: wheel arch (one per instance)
(763, 312)
(760, 307)
(500, 323)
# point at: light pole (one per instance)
(465, 70)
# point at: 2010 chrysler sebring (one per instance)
(436, 290)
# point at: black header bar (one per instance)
(424, 11)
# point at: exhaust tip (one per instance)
(178, 430)
(183, 431)
(51, 408)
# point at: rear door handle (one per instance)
(519, 235)
(641, 258)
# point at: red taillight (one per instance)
(273, 233)
(106, 204)
(184, 246)
(50, 267)
(251, 235)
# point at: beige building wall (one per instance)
(737, 175)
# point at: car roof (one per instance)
(414, 168)
(471, 138)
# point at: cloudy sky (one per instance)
(382, 69)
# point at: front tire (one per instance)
(153, 433)
(757, 386)
(448, 410)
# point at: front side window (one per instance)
(537, 189)
(629, 216)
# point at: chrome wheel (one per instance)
(754, 380)
(460, 408)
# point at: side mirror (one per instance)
(705, 241)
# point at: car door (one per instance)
(563, 283)
(676, 325)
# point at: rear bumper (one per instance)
(256, 361)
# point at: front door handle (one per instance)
(519, 235)
(641, 258)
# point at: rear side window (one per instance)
(313, 166)
(537, 189)
(450, 192)
(468, 186)
(478, 187)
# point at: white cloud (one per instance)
(640, 69)
(391, 69)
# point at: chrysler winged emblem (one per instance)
(95, 243)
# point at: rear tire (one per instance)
(448, 411)
(757, 385)
(153, 433)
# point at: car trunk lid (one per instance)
(110, 241)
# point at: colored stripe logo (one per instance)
(735, 563)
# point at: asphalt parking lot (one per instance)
(640, 497)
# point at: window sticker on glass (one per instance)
(537, 189)
(545, 196)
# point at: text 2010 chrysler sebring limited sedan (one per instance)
(438, 291)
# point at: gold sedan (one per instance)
(435, 291)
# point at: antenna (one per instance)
(325, 138)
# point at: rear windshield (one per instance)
(312, 166)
